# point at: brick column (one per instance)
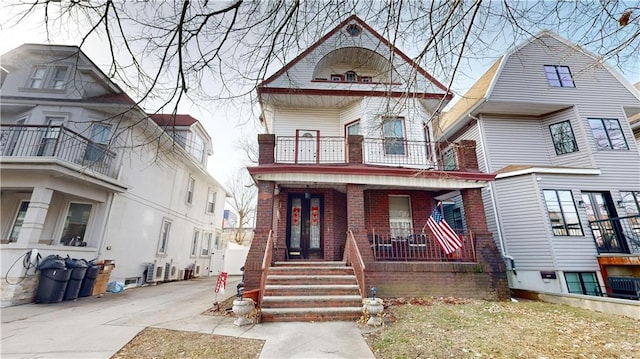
(264, 221)
(266, 148)
(355, 149)
(487, 252)
(466, 156)
(33, 223)
(355, 220)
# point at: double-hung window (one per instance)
(48, 77)
(562, 212)
(194, 242)
(36, 81)
(393, 133)
(165, 234)
(607, 134)
(100, 136)
(206, 244)
(191, 186)
(75, 224)
(211, 201)
(563, 139)
(17, 224)
(559, 76)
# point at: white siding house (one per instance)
(553, 122)
(88, 174)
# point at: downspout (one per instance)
(493, 195)
(106, 224)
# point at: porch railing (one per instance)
(418, 246)
(617, 235)
(354, 259)
(266, 263)
(56, 142)
(310, 150)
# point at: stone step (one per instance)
(310, 314)
(310, 270)
(275, 279)
(310, 264)
(309, 301)
(311, 289)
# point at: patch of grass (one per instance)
(155, 343)
(437, 328)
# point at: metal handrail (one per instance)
(354, 258)
(418, 246)
(266, 263)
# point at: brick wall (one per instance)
(399, 279)
(266, 148)
(264, 222)
(355, 149)
(377, 208)
(466, 156)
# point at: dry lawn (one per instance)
(439, 328)
(457, 328)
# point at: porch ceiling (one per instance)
(373, 177)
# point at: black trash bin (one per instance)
(52, 285)
(86, 288)
(78, 270)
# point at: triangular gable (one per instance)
(296, 66)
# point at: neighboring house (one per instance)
(552, 121)
(345, 163)
(634, 121)
(88, 174)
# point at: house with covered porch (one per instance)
(348, 178)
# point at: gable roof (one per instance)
(353, 18)
(167, 119)
(460, 114)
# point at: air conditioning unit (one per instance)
(158, 272)
(181, 274)
(173, 272)
(150, 273)
(167, 271)
(196, 272)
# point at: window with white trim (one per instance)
(75, 224)
(100, 136)
(211, 201)
(393, 133)
(17, 224)
(400, 220)
(191, 186)
(206, 244)
(36, 81)
(48, 77)
(165, 234)
(194, 242)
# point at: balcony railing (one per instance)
(310, 150)
(617, 235)
(418, 246)
(391, 151)
(378, 151)
(56, 142)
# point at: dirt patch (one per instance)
(155, 343)
(222, 308)
(462, 328)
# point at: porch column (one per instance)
(266, 148)
(355, 220)
(264, 221)
(487, 252)
(33, 223)
(466, 155)
(355, 149)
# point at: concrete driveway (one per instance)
(98, 327)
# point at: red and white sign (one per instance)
(221, 284)
(315, 215)
(296, 215)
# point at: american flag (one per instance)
(447, 238)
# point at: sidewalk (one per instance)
(98, 327)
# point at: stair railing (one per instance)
(354, 259)
(266, 263)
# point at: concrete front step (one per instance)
(311, 289)
(310, 279)
(310, 270)
(310, 314)
(309, 264)
(311, 301)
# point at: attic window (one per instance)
(559, 76)
(366, 79)
(353, 30)
(350, 76)
(336, 77)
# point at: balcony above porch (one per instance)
(336, 161)
(58, 149)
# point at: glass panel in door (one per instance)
(50, 137)
(304, 237)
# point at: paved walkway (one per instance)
(98, 327)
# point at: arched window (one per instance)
(350, 76)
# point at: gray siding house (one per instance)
(553, 122)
